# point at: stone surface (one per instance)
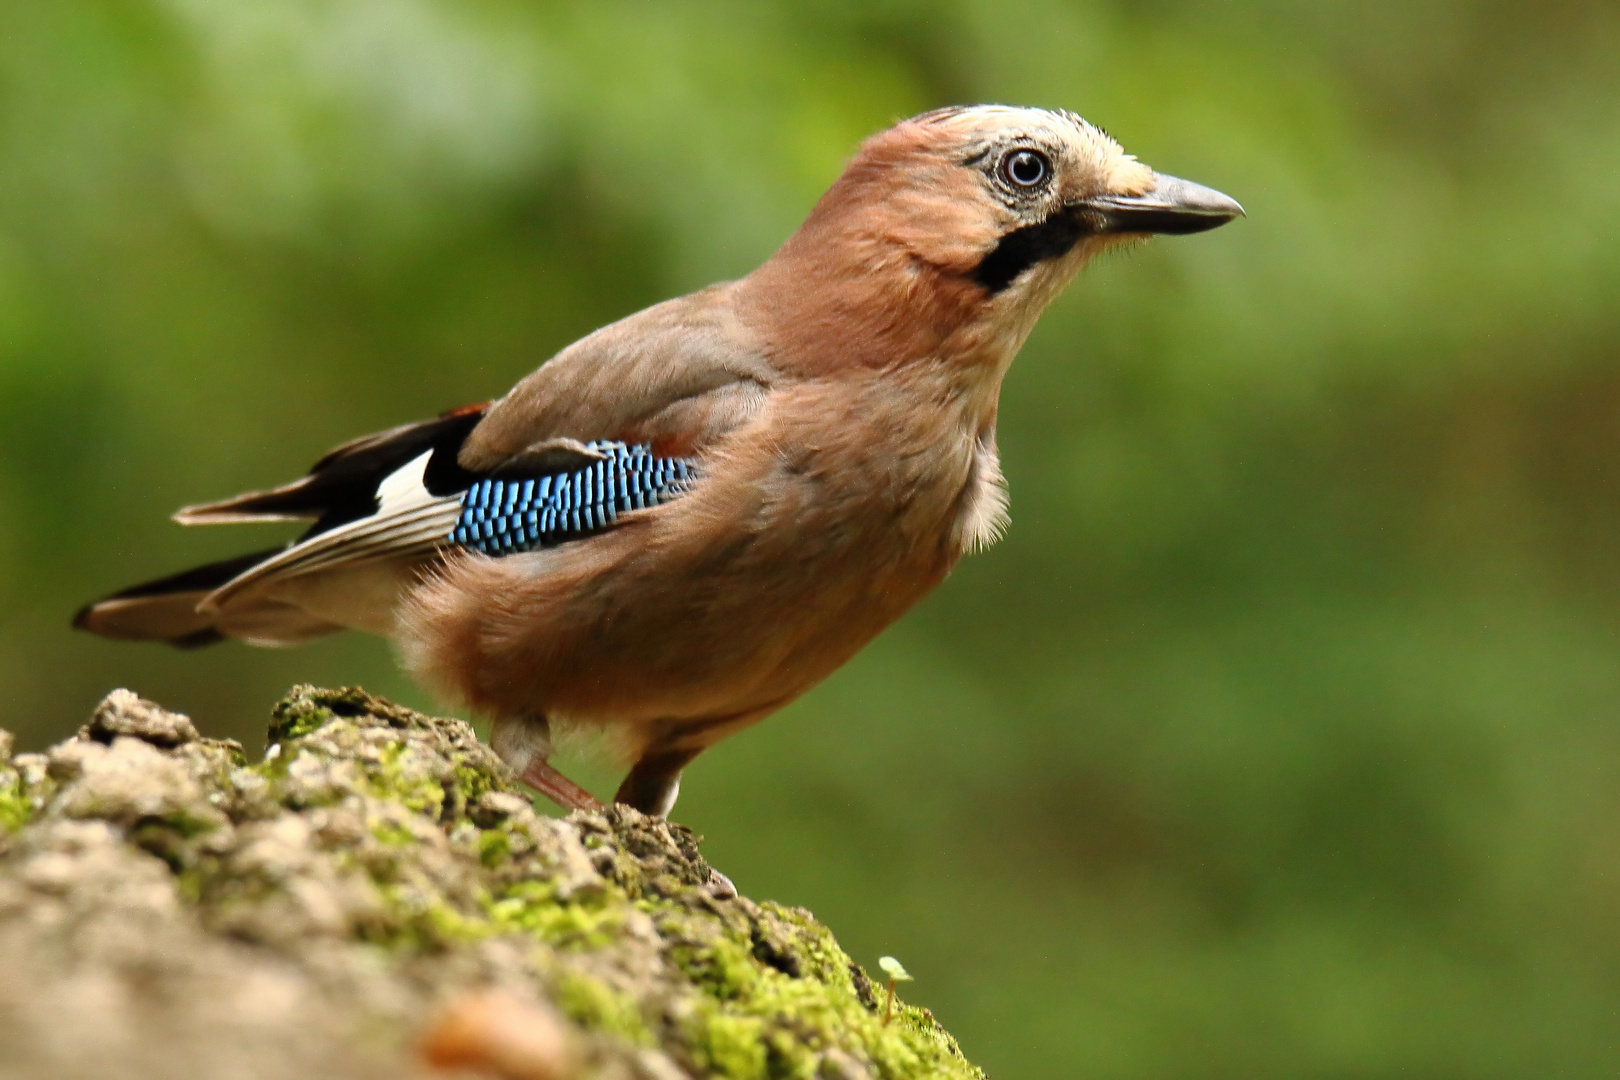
(377, 897)
(123, 713)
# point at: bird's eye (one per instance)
(1025, 168)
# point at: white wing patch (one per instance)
(408, 521)
(405, 485)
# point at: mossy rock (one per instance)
(168, 908)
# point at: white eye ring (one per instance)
(1025, 168)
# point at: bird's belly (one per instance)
(726, 604)
(745, 632)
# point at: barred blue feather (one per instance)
(500, 517)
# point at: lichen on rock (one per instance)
(168, 908)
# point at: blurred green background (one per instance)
(1280, 737)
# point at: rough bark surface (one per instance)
(377, 898)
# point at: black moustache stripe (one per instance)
(1025, 247)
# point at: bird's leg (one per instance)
(524, 743)
(541, 776)
(655, 780)
(651, 787)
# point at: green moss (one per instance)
(774, 991)
(787, 1058)
(449, 926)
(814, 948)
(532, 907)
(16, 808)
(192, 822)
(396, 780)
(188, 883)
(274, 766)
(494, 847)
(738, 990)
(791, 1018)
(307, 709)
(473, 783)
(418, 923)
(293, 718)
(729, 1045)
(590, 1002)
(725, 969)
(392, 833)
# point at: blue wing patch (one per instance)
(500, 517)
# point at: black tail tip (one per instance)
(195, 639)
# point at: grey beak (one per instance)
(1173, 206)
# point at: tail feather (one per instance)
(382, 499)
(166, 609)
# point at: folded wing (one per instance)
(614, 424)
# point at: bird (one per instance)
(683, 521)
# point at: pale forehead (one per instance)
(995, 123)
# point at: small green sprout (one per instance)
(897, 974)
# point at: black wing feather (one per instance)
(342, 486)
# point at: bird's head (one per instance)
(976, 217)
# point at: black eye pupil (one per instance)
(1026, 168)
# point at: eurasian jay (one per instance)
(685, 520)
